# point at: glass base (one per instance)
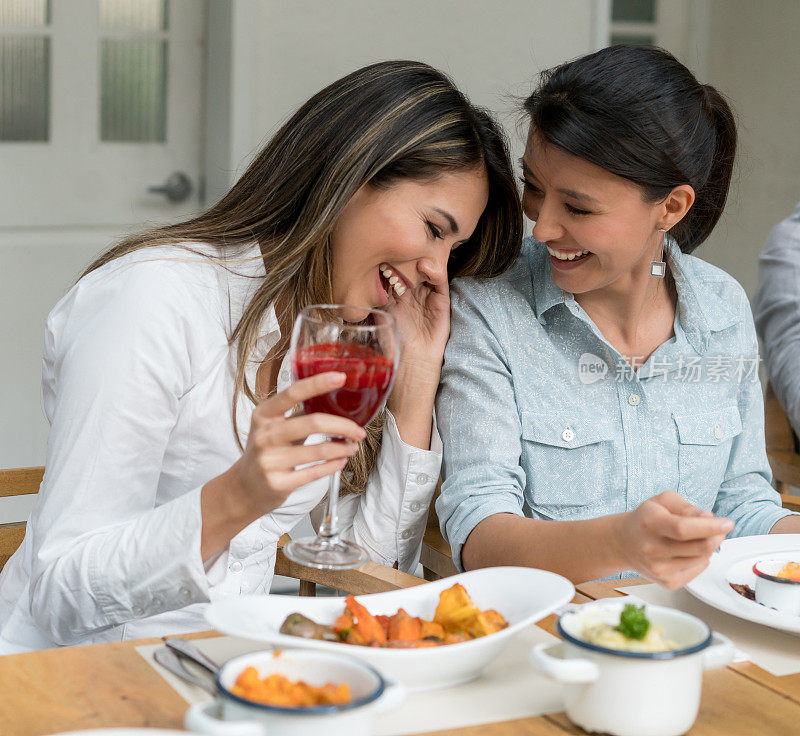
(325, 553)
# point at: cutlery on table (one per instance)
(184, 648)
(171, 662)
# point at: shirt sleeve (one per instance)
(746, 495)
(104, 552)
(777, 309)
(389, 519)
(479, 422)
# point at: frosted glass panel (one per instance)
(636, 11)
(632, 39)
(24, 88)
(24, 13)
(133, 15)
(133, 90)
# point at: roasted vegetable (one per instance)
(296, 624)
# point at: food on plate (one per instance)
(457, 619)
(744, 590)
(634, 633)
(790, 570)
(275, 689)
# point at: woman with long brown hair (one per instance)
(172, 467)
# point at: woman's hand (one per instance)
(423, 323)
(668, 540)
(275, 461)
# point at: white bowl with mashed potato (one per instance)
(626, 686)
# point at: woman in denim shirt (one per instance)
(600, 406)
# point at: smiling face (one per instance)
(409, 229)
(598, 229)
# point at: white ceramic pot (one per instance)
(782, 594)
(632, 693)
(231, 715)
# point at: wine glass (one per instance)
(363, 344)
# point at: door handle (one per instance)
(176, 188)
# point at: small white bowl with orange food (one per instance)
(777, 584)
(294, 692)
(432, 635)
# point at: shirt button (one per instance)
(236, 566)
(718, 433)
(422, 479)
(185, 593)
(284, 375)
(138, 611)
(568, 435)
(406, 533)
(634, 399)
(416, 506)
(158, 601)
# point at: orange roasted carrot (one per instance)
(366, 624)
(403, 627)
(431, 629)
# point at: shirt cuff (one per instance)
(154, 565)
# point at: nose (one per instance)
(434, 267)
(547, 226)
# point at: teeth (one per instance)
(394, 281)
(565, 255)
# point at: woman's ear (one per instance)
(677, 203)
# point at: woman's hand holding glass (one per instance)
(668, 540)
(275, 461)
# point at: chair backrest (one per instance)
(16, 482)
(782, 448)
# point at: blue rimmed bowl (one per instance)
(231, 715)
(629, 693)
(782, 594)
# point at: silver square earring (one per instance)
(659, 268)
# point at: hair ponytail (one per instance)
(710, 198)
(639, 113)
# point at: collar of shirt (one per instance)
(699, 311)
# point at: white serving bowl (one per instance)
(522, 595)
(232, 715)
(632, 693)
(782, 594)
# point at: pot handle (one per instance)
(569, 671)
(393, 696)
(204, 718)
(719, 653)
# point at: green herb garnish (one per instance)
(633, 622)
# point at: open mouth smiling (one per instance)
(391, 280)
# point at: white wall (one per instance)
(754, 60)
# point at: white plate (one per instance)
(521, 595)
(734, 564)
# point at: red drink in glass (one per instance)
(369, 379)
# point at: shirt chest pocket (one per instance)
(704, 448)
(569, 464)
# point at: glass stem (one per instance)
(329, 528)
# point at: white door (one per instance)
(100, 102)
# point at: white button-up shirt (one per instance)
(138, 380)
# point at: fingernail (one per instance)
(337, 378)
(726, 525)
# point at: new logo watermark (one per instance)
(591, 368)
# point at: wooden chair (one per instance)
(16, 482)
(783, 450)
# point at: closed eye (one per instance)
(529, 187)
(435, 231)
(575, 210)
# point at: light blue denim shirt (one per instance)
(540, 415)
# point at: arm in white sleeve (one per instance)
(777, 312)
(104, 552)
(389, 519)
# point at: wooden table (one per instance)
(111, 685)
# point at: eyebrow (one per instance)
(569, 192)
(450, 219)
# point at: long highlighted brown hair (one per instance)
(386, 122)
